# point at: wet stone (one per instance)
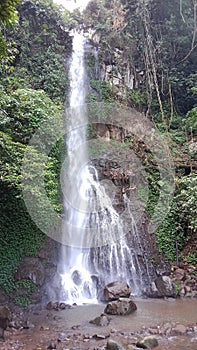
(100, 336)
(102, 321)
(115, 290)
(52, 346)
(76, 277)
(61, 337)
(179, 329)
(122, 306)
(57, 306)
(114, 345)
(149, 342)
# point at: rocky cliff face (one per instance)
(118, 66)
(122, 175)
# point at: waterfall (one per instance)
(96, 250)
(78, 285)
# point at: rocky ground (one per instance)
(58, 327)
(184, 276)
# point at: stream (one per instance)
(70, 329)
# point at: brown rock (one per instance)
(32, 269)
(179, 274)
(114, 345)
(116, 290)
(5, 317)
(187, 289)
(179, 329)
(164, 287)
(122, 306)
(102, 321)
(149, 342)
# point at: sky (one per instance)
(73, 4)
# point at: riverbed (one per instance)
(70, 329)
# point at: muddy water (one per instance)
(74, 324)
(149, 313)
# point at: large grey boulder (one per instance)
(32, 269)
(122, 306)
(116, 290)
(5, 316)
(162, 287)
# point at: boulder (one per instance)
(76, 277)
(162, 287)
(149, 342)
(55, 305)
(179, 329)
(102, 321)
(179, 274)
(5, 316)
(32, 269)
(122, 306)
(114, 345)
(116, 290)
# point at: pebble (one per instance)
(100, 336)
(61, 337)
(52, 346)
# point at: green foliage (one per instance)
(22, 112)
(19, 235)
(8, 13)
(137, 99)
(187, 202)
(190, 122)
(33, 86)
(43, 43)
(26, 286)
(22, 301)
(153, 178)
(192, 258)
(52, 175)
(103, 90)
(11, 155)
(47, 72)
(3, 47)
(23, 291)
(170, 235)
(8, 17)
(178, 136)
(181, 222)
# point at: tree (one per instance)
(43, 44)
(8, 17)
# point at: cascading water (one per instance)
(96, 250)
(76, 279)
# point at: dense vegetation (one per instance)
(33, 87)
(156, 41)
